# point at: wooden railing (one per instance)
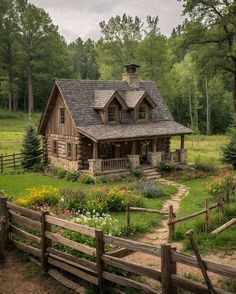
(114, 164)
(173, 156)
(40, 235)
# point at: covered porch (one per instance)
(109, 156)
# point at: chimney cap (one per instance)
(131, 68)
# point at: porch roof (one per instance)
(129, 131)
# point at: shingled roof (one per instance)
(80, 99)
(138, 130)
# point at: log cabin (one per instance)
(104, 127)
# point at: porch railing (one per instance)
(173, 156)
(113, 164)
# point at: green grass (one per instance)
(12, 126)
(15, 185)
(207, 147)
(195, 201)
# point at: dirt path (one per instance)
(159, 236)
(18, 277)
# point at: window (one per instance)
(112, 113)
(69, 150)
(62, 116)
(55, 147)
(142, 112)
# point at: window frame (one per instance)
(115, 108)
(69, 151)
(145, 112)
(62, 110)
(55, 147)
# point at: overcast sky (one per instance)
(79, 18)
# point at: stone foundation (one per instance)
(68, 165)
(183, 156)
(155, 158)
(134, 161)
(95, 166)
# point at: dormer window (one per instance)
(112, 114)
(62, 115)
(143, 112)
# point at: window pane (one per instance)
(55, 147)
(69, 150)
(62, 115)
(142, 112)
(112, 113)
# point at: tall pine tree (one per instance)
(229, 150)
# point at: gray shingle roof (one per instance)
(102, 97)
(80, 99)
(133, 97)
(126, 131)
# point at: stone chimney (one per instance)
(131, 76)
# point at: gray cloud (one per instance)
(79, 18)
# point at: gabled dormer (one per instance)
(141, 104)
(109, 104)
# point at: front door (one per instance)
(144, 149)
(117, 151)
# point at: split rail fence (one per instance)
(39, 234)
(9, 162)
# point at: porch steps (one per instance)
(150, 173)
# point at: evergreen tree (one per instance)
(31, 149)
(229, 150)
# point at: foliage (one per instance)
(204, 165)
(72, 200)
(137, 173)
(59, 172)
(147, 189)
(31, 149)
(229, 150)
(72, 176)
(39, 196)
(219, 185)
(166, 167)
(86, 179)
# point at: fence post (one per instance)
(168, 267)
(207, 214)
(4, 227)
(128, 218)
(171, 225)
(14, 160)
(227, 193)
(1, 163)
(99, 253)
(43, 241)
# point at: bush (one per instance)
(72, 200)
(229, 150)
(38, 196)
(86, 179)
(137, 173)
(97, 203)
(147, 189)
(220, 185)
(205, 165)
(72, 176)
(60, 173)
(166, 167)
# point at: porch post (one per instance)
(95, 150)
(182, 142)
(155, 145)
(133, 148)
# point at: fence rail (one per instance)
(113, 164)
(39, 234)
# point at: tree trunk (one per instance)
(208, 110)
(234, 90)
(30, 91)
(190, 106)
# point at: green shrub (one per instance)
(229, 150)
(205, 165)
(72, 176)
(220, 184)
(97, 203)
(86, 179)
(166, 167)
(60, 173)
(72, 200)
(137, 173)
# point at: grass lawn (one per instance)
(12, 129)
(15, 185)
(195, 201)
(207, 147)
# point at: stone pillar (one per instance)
(155, 158)
(133, 160)
(95, 166)
(183, 156)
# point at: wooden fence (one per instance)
(9, 162)
(39, 234)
